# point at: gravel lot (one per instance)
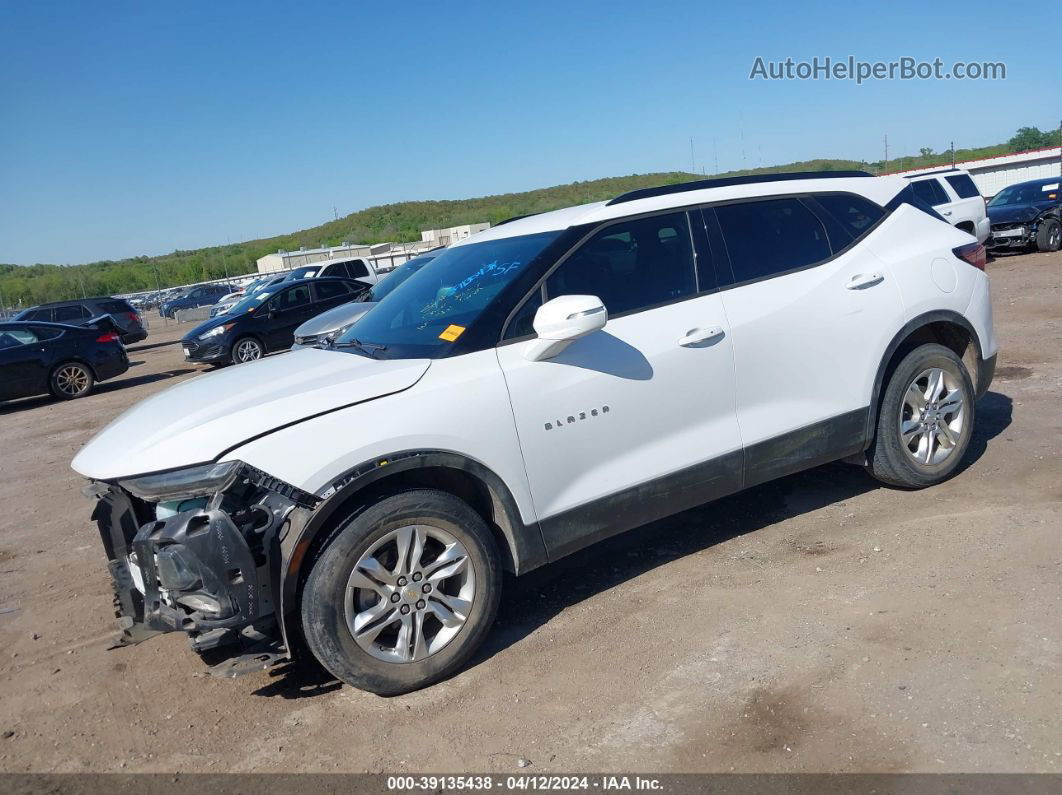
(818, 623)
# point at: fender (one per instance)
(525, 547)
(913, 325)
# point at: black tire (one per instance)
(1049, 235)
(70, 380)
(891, 461)
(324, 595)
(246, 343)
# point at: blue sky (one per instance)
(141, 127)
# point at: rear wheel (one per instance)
(403, 593)
(1049, 235)
(247, 349)
(925, 421)
(70, 380)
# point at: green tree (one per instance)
(1029, 138)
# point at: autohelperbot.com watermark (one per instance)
(851, 68)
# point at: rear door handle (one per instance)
(863, 280)
(946, 212)
(693, 336)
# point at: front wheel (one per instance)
(247, 349)
(925, 421)
(403, 593)
(1049, 235)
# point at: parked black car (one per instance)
(126, 318)
(37, 358)
(203, 295)
(266, 321)
(1027, 214)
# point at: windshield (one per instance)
(1024, 194)
(389, 282)
(249, 302)
(433, 307)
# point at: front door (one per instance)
(635, 421)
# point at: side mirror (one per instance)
(561, 321)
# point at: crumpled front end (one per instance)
(208, 565)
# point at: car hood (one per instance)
(1013, 213)
(199, 420)
(334, 318)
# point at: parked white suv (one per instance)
(537, 387)
(953, 194)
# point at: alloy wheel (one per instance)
(410, 594)
(72, 380)
(248, 351)
(932, 416)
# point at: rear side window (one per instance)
(65, 314)
(326, 290)
(930, 191)
(768, 238)
(114, 307)
(963, 186)
(356, 269)
(631, 265)
(854, 213)
(44, 333)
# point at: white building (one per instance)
(286, 260)
(383, 256)
(992, 174)
(446, 237)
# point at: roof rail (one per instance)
(723, 182)
(516, 218)
(929, 173)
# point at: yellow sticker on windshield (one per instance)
(452, 332)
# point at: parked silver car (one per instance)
(321, 330)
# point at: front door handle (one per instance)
(693, 336)
(863, 280)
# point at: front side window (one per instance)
(435, 306)
(768, 238)
(14, 338)
(631, 265)
(930, 191)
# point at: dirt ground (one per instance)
(819, 623)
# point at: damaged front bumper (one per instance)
(210, 567)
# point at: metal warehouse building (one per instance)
(992, 174)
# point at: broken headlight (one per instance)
(197, 481)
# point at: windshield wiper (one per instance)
(367, 347)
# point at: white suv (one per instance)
(537, 387)
(953, 194)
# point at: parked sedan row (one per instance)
(266, 320)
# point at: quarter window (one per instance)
(964, 186)
(768, 238)
(631, 265)
(854, 213)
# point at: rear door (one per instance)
(288, 310)
(932, 192)
(969, 204)
(634, 421)
(810, 310)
